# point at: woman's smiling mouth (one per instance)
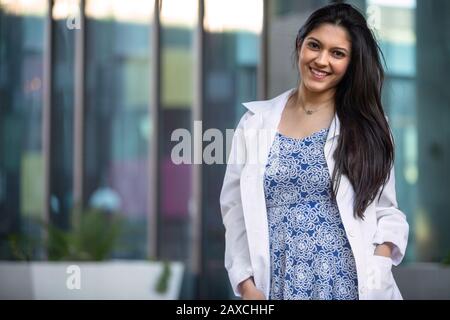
(319, 75)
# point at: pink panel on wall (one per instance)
(176, 188)
(130, 179)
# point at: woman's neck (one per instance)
(314, 100)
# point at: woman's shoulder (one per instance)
(262, 105)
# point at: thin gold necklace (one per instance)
(310, 112)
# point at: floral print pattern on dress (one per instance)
(310, 254)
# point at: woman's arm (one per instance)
(249, 291)
(391, 236)
(237, 255)
(384, 249)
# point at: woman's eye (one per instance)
(339, 54)
(313, 45)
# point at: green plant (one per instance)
(92, 237)
(22, 246)
(163, 282)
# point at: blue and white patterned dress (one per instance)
(310, 254)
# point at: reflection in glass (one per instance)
(61, 174)
(433, 135)
(130, 11)
(116, 114)
(394, 24)
(233, 16)
(178, 18)
(65, 9)
(231, 61)
(22, 41)
(179, 13)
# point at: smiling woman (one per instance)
(318, 218)
(325, 55)
(323, 60)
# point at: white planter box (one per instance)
(98, 280)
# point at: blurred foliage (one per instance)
(163, 282)
(446, 260)
(22, 246)
(93, 237)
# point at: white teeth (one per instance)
(318, 73)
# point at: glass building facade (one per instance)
(91, 92)
(22, 56)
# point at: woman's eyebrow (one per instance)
(312, 38)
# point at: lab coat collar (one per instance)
(271, 110)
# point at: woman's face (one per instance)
(324, 57)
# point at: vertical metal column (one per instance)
(153, 157)
(197, 115)
(262, 90)
(47, 112)
(78, 162)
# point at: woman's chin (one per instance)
(316, 87)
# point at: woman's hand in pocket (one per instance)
(249, 291)
(380, 280)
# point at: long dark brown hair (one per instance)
(365, 150)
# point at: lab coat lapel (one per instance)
(259, 131)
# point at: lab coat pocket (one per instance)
(380, 281)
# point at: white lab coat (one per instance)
(244, 212)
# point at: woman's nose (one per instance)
(322, 59)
